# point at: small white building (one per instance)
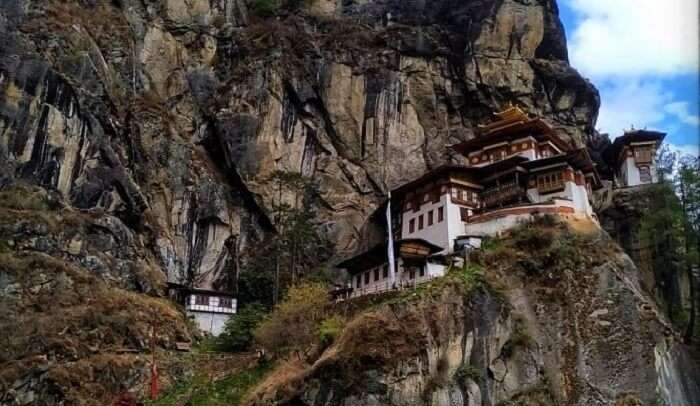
(209, 309)
(633, 156)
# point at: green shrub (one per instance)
(268, 8)
(468, 371)
(265, 8)
(238, 332)
(330, 329)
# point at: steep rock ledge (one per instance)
(568, 325)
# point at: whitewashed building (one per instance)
(516, 168)
(633, 156)
(210, 310)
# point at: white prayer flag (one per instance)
(390, 243)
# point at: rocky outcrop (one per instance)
(147, 115)
(569, 325)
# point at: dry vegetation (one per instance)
(80, 335)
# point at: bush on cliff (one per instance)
(294, 324)
(238, 332)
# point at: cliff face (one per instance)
(559, 318)
(136, 139)
(172, 114)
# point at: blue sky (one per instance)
(642, 55)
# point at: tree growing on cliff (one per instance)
(671, 227)
(298, 250)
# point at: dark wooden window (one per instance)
(435, 195)
(464, 213)
(421, 273)
(420, 222)
(441, 214)
(366, 278)
(201, 300)
(430, 218)
(550, 182)
(376, 274)
(226, 302)
(358, 281)
(497, 155)
(412, 226)
(412, 274)
(385, 272)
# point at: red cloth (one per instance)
(154, 382)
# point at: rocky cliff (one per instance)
(172, 114)
(137, 139)
(551, 314)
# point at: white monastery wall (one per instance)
(212, 323)
(438, 232)
(630, 173)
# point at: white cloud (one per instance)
(631, 102)
(681, 112)
(635, 37)
(687, 149)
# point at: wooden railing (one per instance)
(499, 195)
(387, 287)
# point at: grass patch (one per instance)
(465, 279)
(201, 391)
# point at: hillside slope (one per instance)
(553, 316)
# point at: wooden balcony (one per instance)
(502, 195)
(551, 187)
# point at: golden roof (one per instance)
(511, 116)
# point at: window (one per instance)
(358, 281)
(435, 195)
(412, 274)
(643, 155)
(455, 193)
(430, 218)
(407, 206)
(550, 182)
(464, 213)
(420, 222)
(412, 226)
(226, 302)
(385, 272)
(421, 272)
(441, 214)
(201, 300)
(367, 278)
(644, 174)
(426, 197)
(376, 274)
(497, 155)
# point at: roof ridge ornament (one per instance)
(510, 116)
